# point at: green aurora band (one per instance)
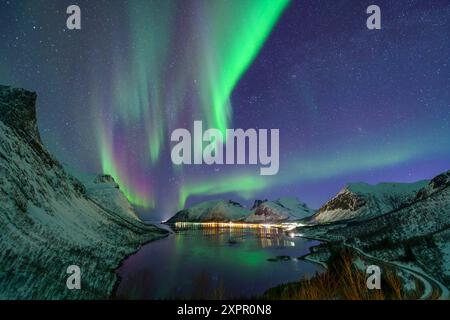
(314, 168)
(151, 89)
(229, 49)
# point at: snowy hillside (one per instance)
(47, 219)
(363, 201)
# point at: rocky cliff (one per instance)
(49, 221)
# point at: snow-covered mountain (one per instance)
(363, 201)
(212, 211)
(416, 233)
(281, 210)
(49, 220)
(104, 190)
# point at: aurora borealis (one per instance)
(151, 95)
(351, 104)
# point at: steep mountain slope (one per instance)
(47, 219)
(363, 201)
(416, 233)
(283, 209)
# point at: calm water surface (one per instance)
(214, 263)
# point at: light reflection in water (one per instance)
(215, 261)
(269, 235)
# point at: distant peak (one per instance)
(257, 203)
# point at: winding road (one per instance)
(433, 289)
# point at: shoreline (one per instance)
(112, 294)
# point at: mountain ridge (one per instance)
(48, 219)
(363, 201)
(263, 211)
(355, 201)
(415, 234)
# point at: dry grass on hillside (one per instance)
(342, 281)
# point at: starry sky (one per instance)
(351, 104)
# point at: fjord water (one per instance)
(214, 263)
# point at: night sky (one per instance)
(351, 104)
